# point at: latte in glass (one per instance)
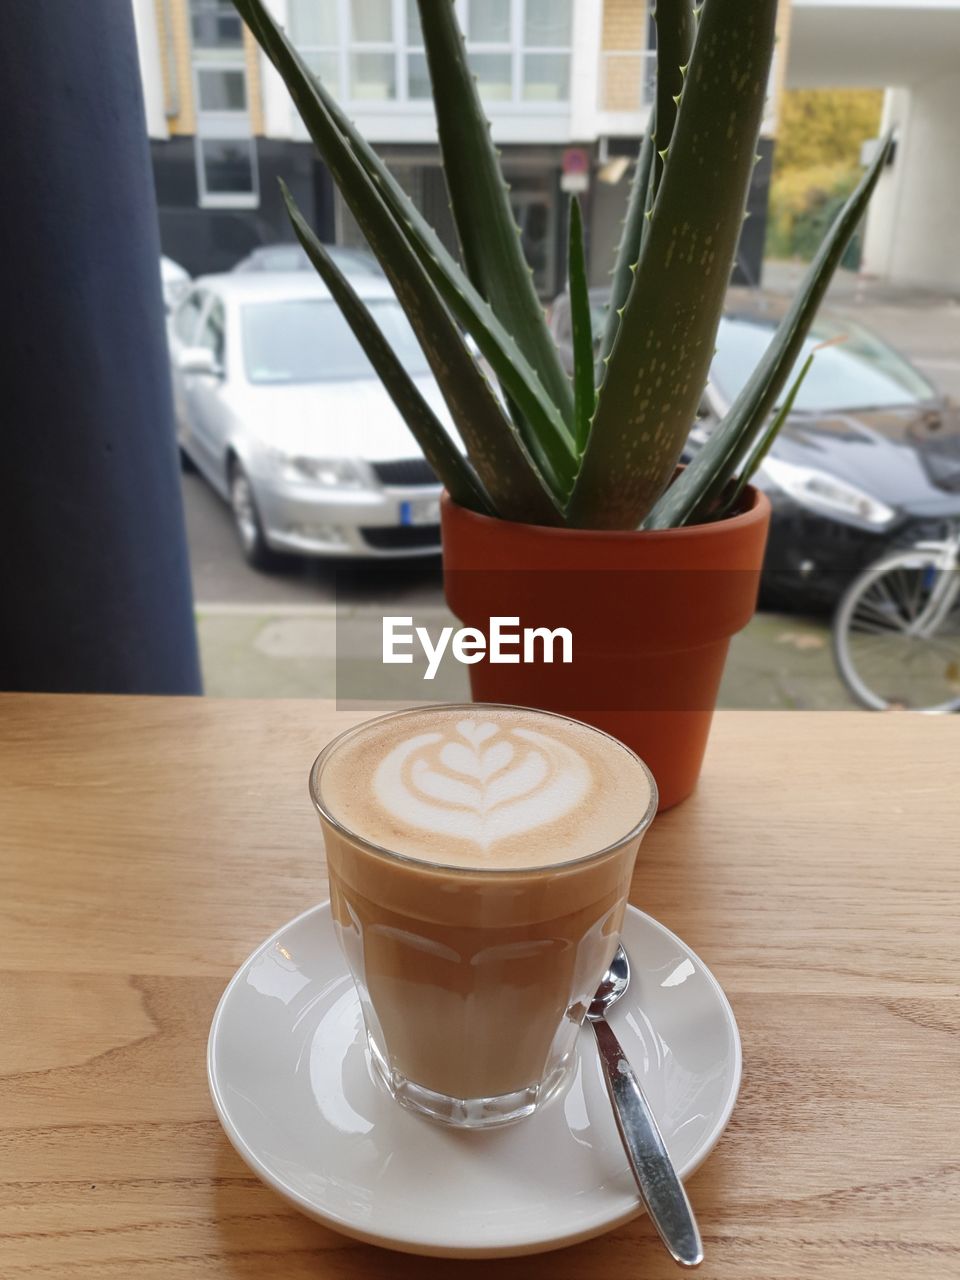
(480, 858)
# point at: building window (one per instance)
(488, 22)
(369, 51)
(315, 29)
(371, 22)
(546, 51)
(215, 26)
(224, 150)
(373, 57)
(415, 60)
(490, 47)
(221, 89)
(533, 200)
(649, 89)
(227, 171)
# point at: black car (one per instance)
(869, 457)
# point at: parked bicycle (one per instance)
(896, 632)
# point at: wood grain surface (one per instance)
(147, 845)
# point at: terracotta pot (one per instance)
(650, 613)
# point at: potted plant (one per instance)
(569, 503)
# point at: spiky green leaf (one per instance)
(730, 495)
(539, 421)
(748, 412)
(456, 473)
(489, 236)
(502, 461)
(661, 355)
(628, 250)
(581, 328)
(676, 28)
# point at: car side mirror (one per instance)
(199, 360)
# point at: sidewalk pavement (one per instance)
(778, 662)
(921, 323)
(784, 276)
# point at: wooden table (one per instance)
(147, 845)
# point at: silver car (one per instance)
(291, 257)
(279, 409)
(174, 281)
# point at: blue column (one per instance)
(94, 580)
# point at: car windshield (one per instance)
(308, 340)
(859, 373)
(291, 257)
(279, 257)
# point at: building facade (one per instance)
(911, 48)
(567, 86)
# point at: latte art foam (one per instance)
(481, 783)
(484, 786)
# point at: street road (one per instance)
(222, 577)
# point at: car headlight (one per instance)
(825, 493)
(332, 473)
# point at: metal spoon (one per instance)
(660, 1188)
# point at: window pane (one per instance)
(534, 208)
(211, 335)
(185, 323)
(372, 76)
(418, 78)
(547, 22)
(649, 76)
(493, 72)
(224, 90)
(414, 31)
(313, 22)
(371, 21)
(546, 77)
(227, 166)
(326, 67)
(215, 24)
(489, 22)
(861, 373)
(561, 319)
(310, 341)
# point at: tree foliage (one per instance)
(820, 127)
(817, 165)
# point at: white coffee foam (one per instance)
(485, 786)
(481, 782)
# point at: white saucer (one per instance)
(292, 1086)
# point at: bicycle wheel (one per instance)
(896, 636)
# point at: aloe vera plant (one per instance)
(600, 451)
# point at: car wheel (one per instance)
(246, 519)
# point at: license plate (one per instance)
(421, 511)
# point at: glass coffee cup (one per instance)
(480, 858)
